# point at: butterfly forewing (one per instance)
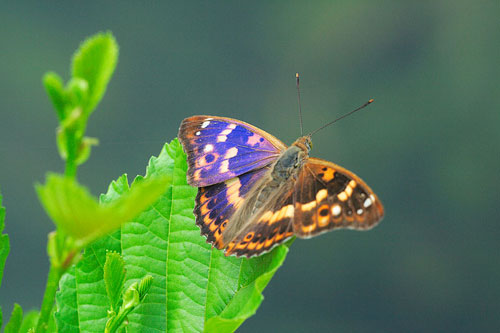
(328, 197)
(220, 148)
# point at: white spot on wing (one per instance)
(198, 133)
(224, 166)
(205, 124)
(231, 153)
(359, 211)
(336, 209)
(221, 138)
(228, 130)
(208, 148)
(367, 203)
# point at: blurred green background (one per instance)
(429, 146)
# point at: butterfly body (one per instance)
(255, 192)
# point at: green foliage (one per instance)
(95, 62)
(4, 242)
(79, 218)
(93, 66)
(29, 322)
(4, 247)
(194, 287)
(114, 278)
(76, 212)
(132, 297)
(15, 321)
(144, 286)
(155, 272)
(54, 87)
(66, 315)
(255, 274)
(26, 323)
(121, 304)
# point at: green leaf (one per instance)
(247, 299)
(195, 287)
(93, 65)
(4, 243)
(66, 315)
(76, 212)
(114, 278)
(54, 87)
(51, 325)
(95, 62)
(77, 92)
(86, 310)
(131, 297)
(15, 320)
(29, 321)
(144, 286)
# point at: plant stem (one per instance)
(49, 296)
(70, 170)
(116, 322)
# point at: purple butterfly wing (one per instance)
(220, 148)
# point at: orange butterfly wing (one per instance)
(328, 197)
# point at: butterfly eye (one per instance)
(309, 144)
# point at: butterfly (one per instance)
(254, 192)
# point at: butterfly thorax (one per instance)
(291, 160)
(288, 165)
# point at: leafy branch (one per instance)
(79, 218)
(153, 273)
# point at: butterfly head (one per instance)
(304, 143)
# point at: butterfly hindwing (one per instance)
(328, 197)
(220, 148)
(267, 229)
(216, 204)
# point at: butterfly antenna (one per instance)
(300, 108)
(341, 117)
